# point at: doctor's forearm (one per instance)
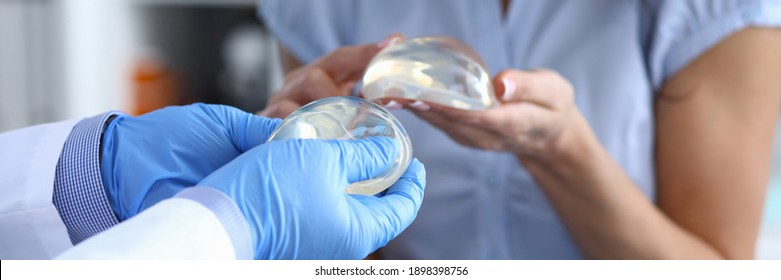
(607, 215)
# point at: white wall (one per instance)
(30, 72)
(62, 59)
(99, 38)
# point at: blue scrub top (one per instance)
(616, 53)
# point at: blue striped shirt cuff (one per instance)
(229, 215)
(79, 195)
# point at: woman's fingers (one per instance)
(307, 84)
(347, 64)
(511, 126)
(280, 109)
(465, 134)
(332, 75)
(535, 108)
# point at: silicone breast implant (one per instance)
(432, 69)
(345, 118)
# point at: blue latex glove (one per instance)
(149, 158)
(292, 194)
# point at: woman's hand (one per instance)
(334, 74)
(534, 119)
(713, 126)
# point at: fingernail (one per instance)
(392, 105)
(388, 41)
(509, 89)
(394, 41)
(420, 105)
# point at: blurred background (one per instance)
(69, 58)
(62, 59)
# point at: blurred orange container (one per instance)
(154, 86)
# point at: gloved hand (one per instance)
(149, 158)
(292, 195)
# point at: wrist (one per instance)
(575, 148)
(108, 149)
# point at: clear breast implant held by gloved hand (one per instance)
(439, 70)
(345, 118)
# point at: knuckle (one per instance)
(314, 75)
(515, 130)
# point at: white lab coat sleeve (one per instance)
(30, 226)
(198, 223)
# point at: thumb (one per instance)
(539, 86)
(257, 130)
(366, 158)
(245, 130)
(400, 204)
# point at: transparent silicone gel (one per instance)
(345, 118)
(432, 69)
